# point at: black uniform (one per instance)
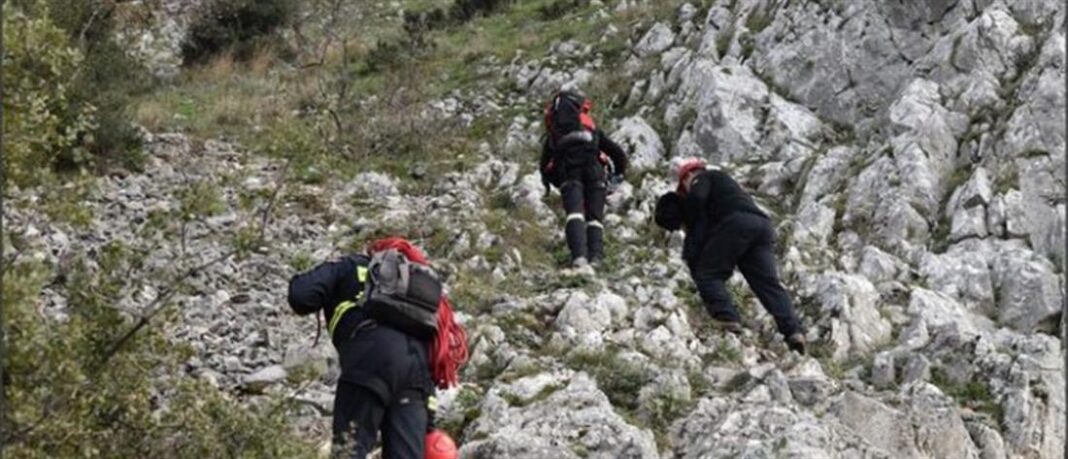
(724, 229)
(576, 169)
(385, 374)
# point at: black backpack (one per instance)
(403, 295)
(568, 120)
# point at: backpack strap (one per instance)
(361, 276)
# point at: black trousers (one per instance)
(384, 385)
(583, 191)
(745, 241)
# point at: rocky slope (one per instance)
(912, 157)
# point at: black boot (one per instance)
(575, 231)
(595, 241)
(796, 343)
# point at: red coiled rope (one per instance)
(448, 350)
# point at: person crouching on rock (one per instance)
(582, 162)
(393, 328)
(725, 229)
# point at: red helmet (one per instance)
(439, 445)
(686, 168)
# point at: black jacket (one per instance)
(580, 154)
(713, 196)
(327, 286)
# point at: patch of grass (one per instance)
(723, 39)
(219, 98)
(1007, 179)
(843, 134)
(201, 198)
(940, 234)
(619, 378)
(700, 384)
(544, 393)
(301, 261)
(665, 411)
(724, 353)
(761, 17)
(973, 394)
(467, 402)
(523, 329)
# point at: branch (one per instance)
(155, 307)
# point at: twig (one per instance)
(154, 307)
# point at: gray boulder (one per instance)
(657, 40)
(577, 417)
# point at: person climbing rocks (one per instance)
(725, 229)
(585, 165)
(396, 339)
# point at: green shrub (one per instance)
(459, 12)
(108, 78)
(465, 10)
(236, 26)
(41, 128)
(67, 87)
(619, 378)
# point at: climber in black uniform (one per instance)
(582, 162)
(725, 229)
(385, 374)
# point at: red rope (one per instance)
(448, 350)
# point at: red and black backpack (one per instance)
(567, 118)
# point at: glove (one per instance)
(614, 182)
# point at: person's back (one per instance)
(580, 160)
(721, 195)
(388, 361)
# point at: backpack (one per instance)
(403, 295)
(568, 120)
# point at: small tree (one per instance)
(41, 130)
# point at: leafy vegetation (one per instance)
(237, 27)
(71, 393)
(41, 131)
(67, 86)
(620, 379)
(973, 394)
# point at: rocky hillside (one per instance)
(911, 156)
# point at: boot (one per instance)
(575, 232)
(796, 343)
(728, 326)
(595, 242)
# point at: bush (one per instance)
(67, 85)
(620, 379)
(41, 128)
(461, 11)
(107, 80)
(65, 398)
(236, 26)
(465, 10)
